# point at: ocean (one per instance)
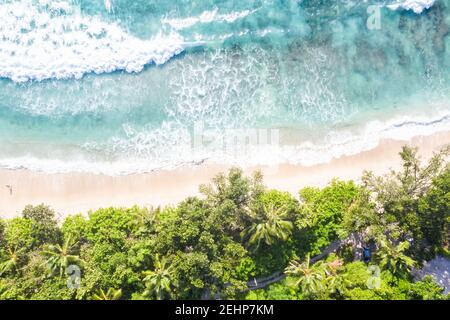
(120, 86)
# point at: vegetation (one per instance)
(215, 245)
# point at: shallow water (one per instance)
(120, 86)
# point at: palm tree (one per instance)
(145, 219)
(60, 257)
(308, 278)
(393, 258)
(110, 294)
(270, 225)
(333, 281)
(160, 280)
(11, 264)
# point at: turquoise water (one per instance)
(117, 86)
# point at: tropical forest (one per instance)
(349, 240)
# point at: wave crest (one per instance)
(418, 6)
(54, 40)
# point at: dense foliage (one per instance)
(236, 231)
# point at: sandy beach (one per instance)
(72, 193)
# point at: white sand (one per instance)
(71, 193)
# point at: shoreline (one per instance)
(72, 193)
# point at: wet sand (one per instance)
(71, 193)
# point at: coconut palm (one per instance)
(60, 257)
(333, 281)
(12, 261)
(308, 278)
(110, 294)
(270, 224)
(160, 280)
(393, 258)
(145, 219)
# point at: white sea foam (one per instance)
(337, 143)
(168, 148)
(347, 142)
(206, 17)
(53, 40)
(418, 6)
